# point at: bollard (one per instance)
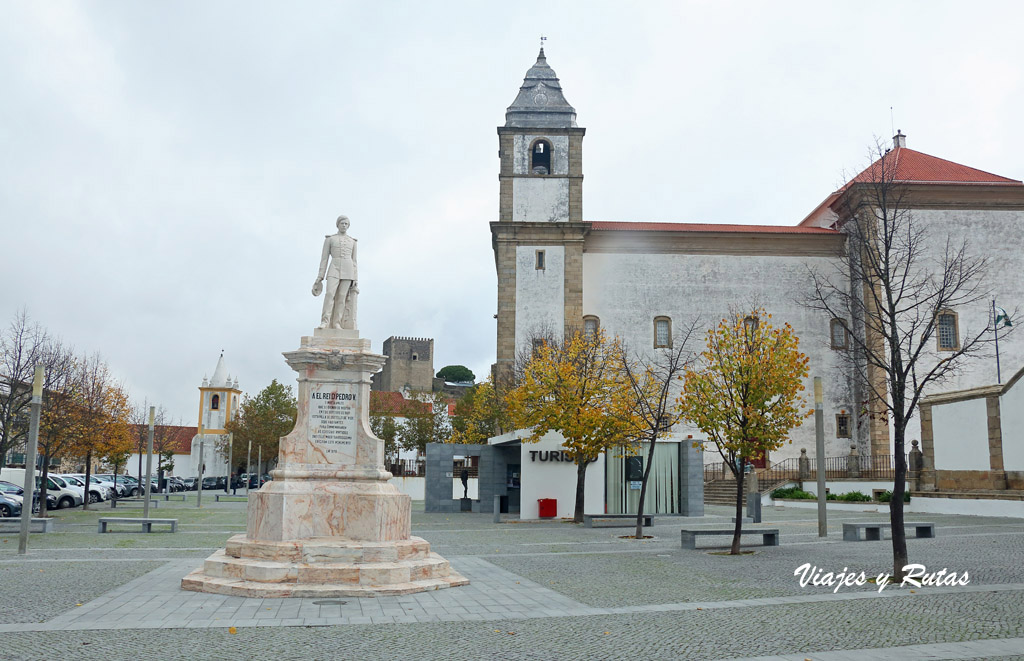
(497, 508)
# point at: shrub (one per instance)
(886, 496)
(795, 493)
(854, 497)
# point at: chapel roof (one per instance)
(907, 166)
(540, 102)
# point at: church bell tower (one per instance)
(538, 238)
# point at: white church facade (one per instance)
(643, 282)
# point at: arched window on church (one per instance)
(662, 333)
(946, 331)
(215, 403)
(591, 324)
(540, 157)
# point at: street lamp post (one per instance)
(35, 407)
(819, 444)
(149, 463)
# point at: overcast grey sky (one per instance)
(170, 169)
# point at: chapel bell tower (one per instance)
(538, 238)
(541, 151)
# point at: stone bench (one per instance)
(873, 530)
(125, 502)
(147, 524)
(770, 536)
(36, 524)
(588, 520)
(229, 498)
(171, 496)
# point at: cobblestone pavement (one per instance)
(549, 590)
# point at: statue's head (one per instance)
(342, 223)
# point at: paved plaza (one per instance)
(547, 590)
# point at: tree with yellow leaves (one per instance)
(745, 393)
(479, 415)
(576, 389)
(101, 412)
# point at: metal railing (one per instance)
(868, 467)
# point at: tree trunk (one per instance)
(643, 491)
(44, 473)
(88, 473)
(738, 530)
(899, 534)
(581, 476)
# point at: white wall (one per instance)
(997, 236)
(216, 463)
(557, 479)
(960, 430)
(472, 487)
(1011, 413)
(626, 291)
(415, 487)
(540, 199)
(540, 294)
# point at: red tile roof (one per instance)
(178, 437)
(392, 403)
(914, 167)
(707, 227)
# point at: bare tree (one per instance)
(23, 345)
(654, 383)
(894, 279)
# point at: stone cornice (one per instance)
(948, 196)
(973, 393)
(715, 243)
(537, 130)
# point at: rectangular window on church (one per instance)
(662, 333)
(540, 260)
(842, 425)
(946, 331)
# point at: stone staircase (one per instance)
(723, 490)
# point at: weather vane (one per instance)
(542, 40)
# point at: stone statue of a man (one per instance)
(342, 277)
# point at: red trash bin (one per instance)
(548, 507)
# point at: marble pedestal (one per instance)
(329, 523)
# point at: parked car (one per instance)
(9, 506)
(97, 492)
(190, 483)
(210, 483)
(175, 483)
(123, 486)
(64, 494)
(11, 490)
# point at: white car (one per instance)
(66, 495)
(98, 492)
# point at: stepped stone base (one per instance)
(322, 567)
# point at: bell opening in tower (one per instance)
(540, 157)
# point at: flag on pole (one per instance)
(1002, 316)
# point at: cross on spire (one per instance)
(542, 40)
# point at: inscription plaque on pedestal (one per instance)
(332, 422)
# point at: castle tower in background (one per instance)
(538, 239)
(219, 399)
(409, 366)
